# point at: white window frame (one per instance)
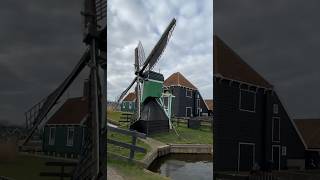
(275, 108)
(273, 140)
(239, 153)
(123, 104)
(52, 141)
(189, 90)
(190, 111)
(130, 105)
(198, 103)
(255, 100)
(284, 151)
(278, 146)
(72, 141)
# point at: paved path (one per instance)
(113, 174)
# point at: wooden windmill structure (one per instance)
(92, 160)
(150, 116)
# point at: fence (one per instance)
(132, 146)
(62, 174)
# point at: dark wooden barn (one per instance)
(251, 124)
(310, 131)
(188, 101)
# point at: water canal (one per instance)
(184, 166)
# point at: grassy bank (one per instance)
(186, 135)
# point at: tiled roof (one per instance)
(310, 131)
(230, 65)
(177, 79)
(130, 97)
(209, 103)
(73, 111)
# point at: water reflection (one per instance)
(184, 166)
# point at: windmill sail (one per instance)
(159, 47)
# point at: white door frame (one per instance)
(279, 147)
(239, 153)
(190, 111)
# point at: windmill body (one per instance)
(153, 117)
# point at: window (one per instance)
(247, 100)
(198, 103)
(70, 136)
(284, 150)
(188, 93)
(123, 105)
(275, 129)
(130, 105)
(52, 135)
(188, 111)
(275, 108)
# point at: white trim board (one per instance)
(272, 122)
(279, 147)
(190, 111)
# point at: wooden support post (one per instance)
(134, 141)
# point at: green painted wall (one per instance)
(152, 89)
(60, 145)
(125, 106)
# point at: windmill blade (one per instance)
(126, 91)
(141, 54)
(159, 47)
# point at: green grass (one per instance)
(130, 171)
(27, 168)
(186, 135)
(114, 118)
(124, 151)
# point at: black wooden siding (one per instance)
(180, 102)
(233, 126)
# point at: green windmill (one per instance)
(152, 112)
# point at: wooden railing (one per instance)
(133, 148)
(62, 174)
(264, 176)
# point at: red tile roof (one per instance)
(130, 97)
(230, 65)
(73, 111)
(177, 79)
(209, 103)
(310, 131)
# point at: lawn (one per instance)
(130, 171)
(114, 118)
(27, 168)
(186, 135)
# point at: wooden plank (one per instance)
(59, 163)
(125, 145)
(123, 131)
(56, 174)
(134, 141)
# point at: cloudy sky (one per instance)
(40, 43)
(281, 40)
(189, 50)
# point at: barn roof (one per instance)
(130, 97)
(209, 104)
(310, 131)
(229, 64)
(177, 79)
(73, 111)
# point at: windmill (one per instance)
(149, 87)
(92, 159)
